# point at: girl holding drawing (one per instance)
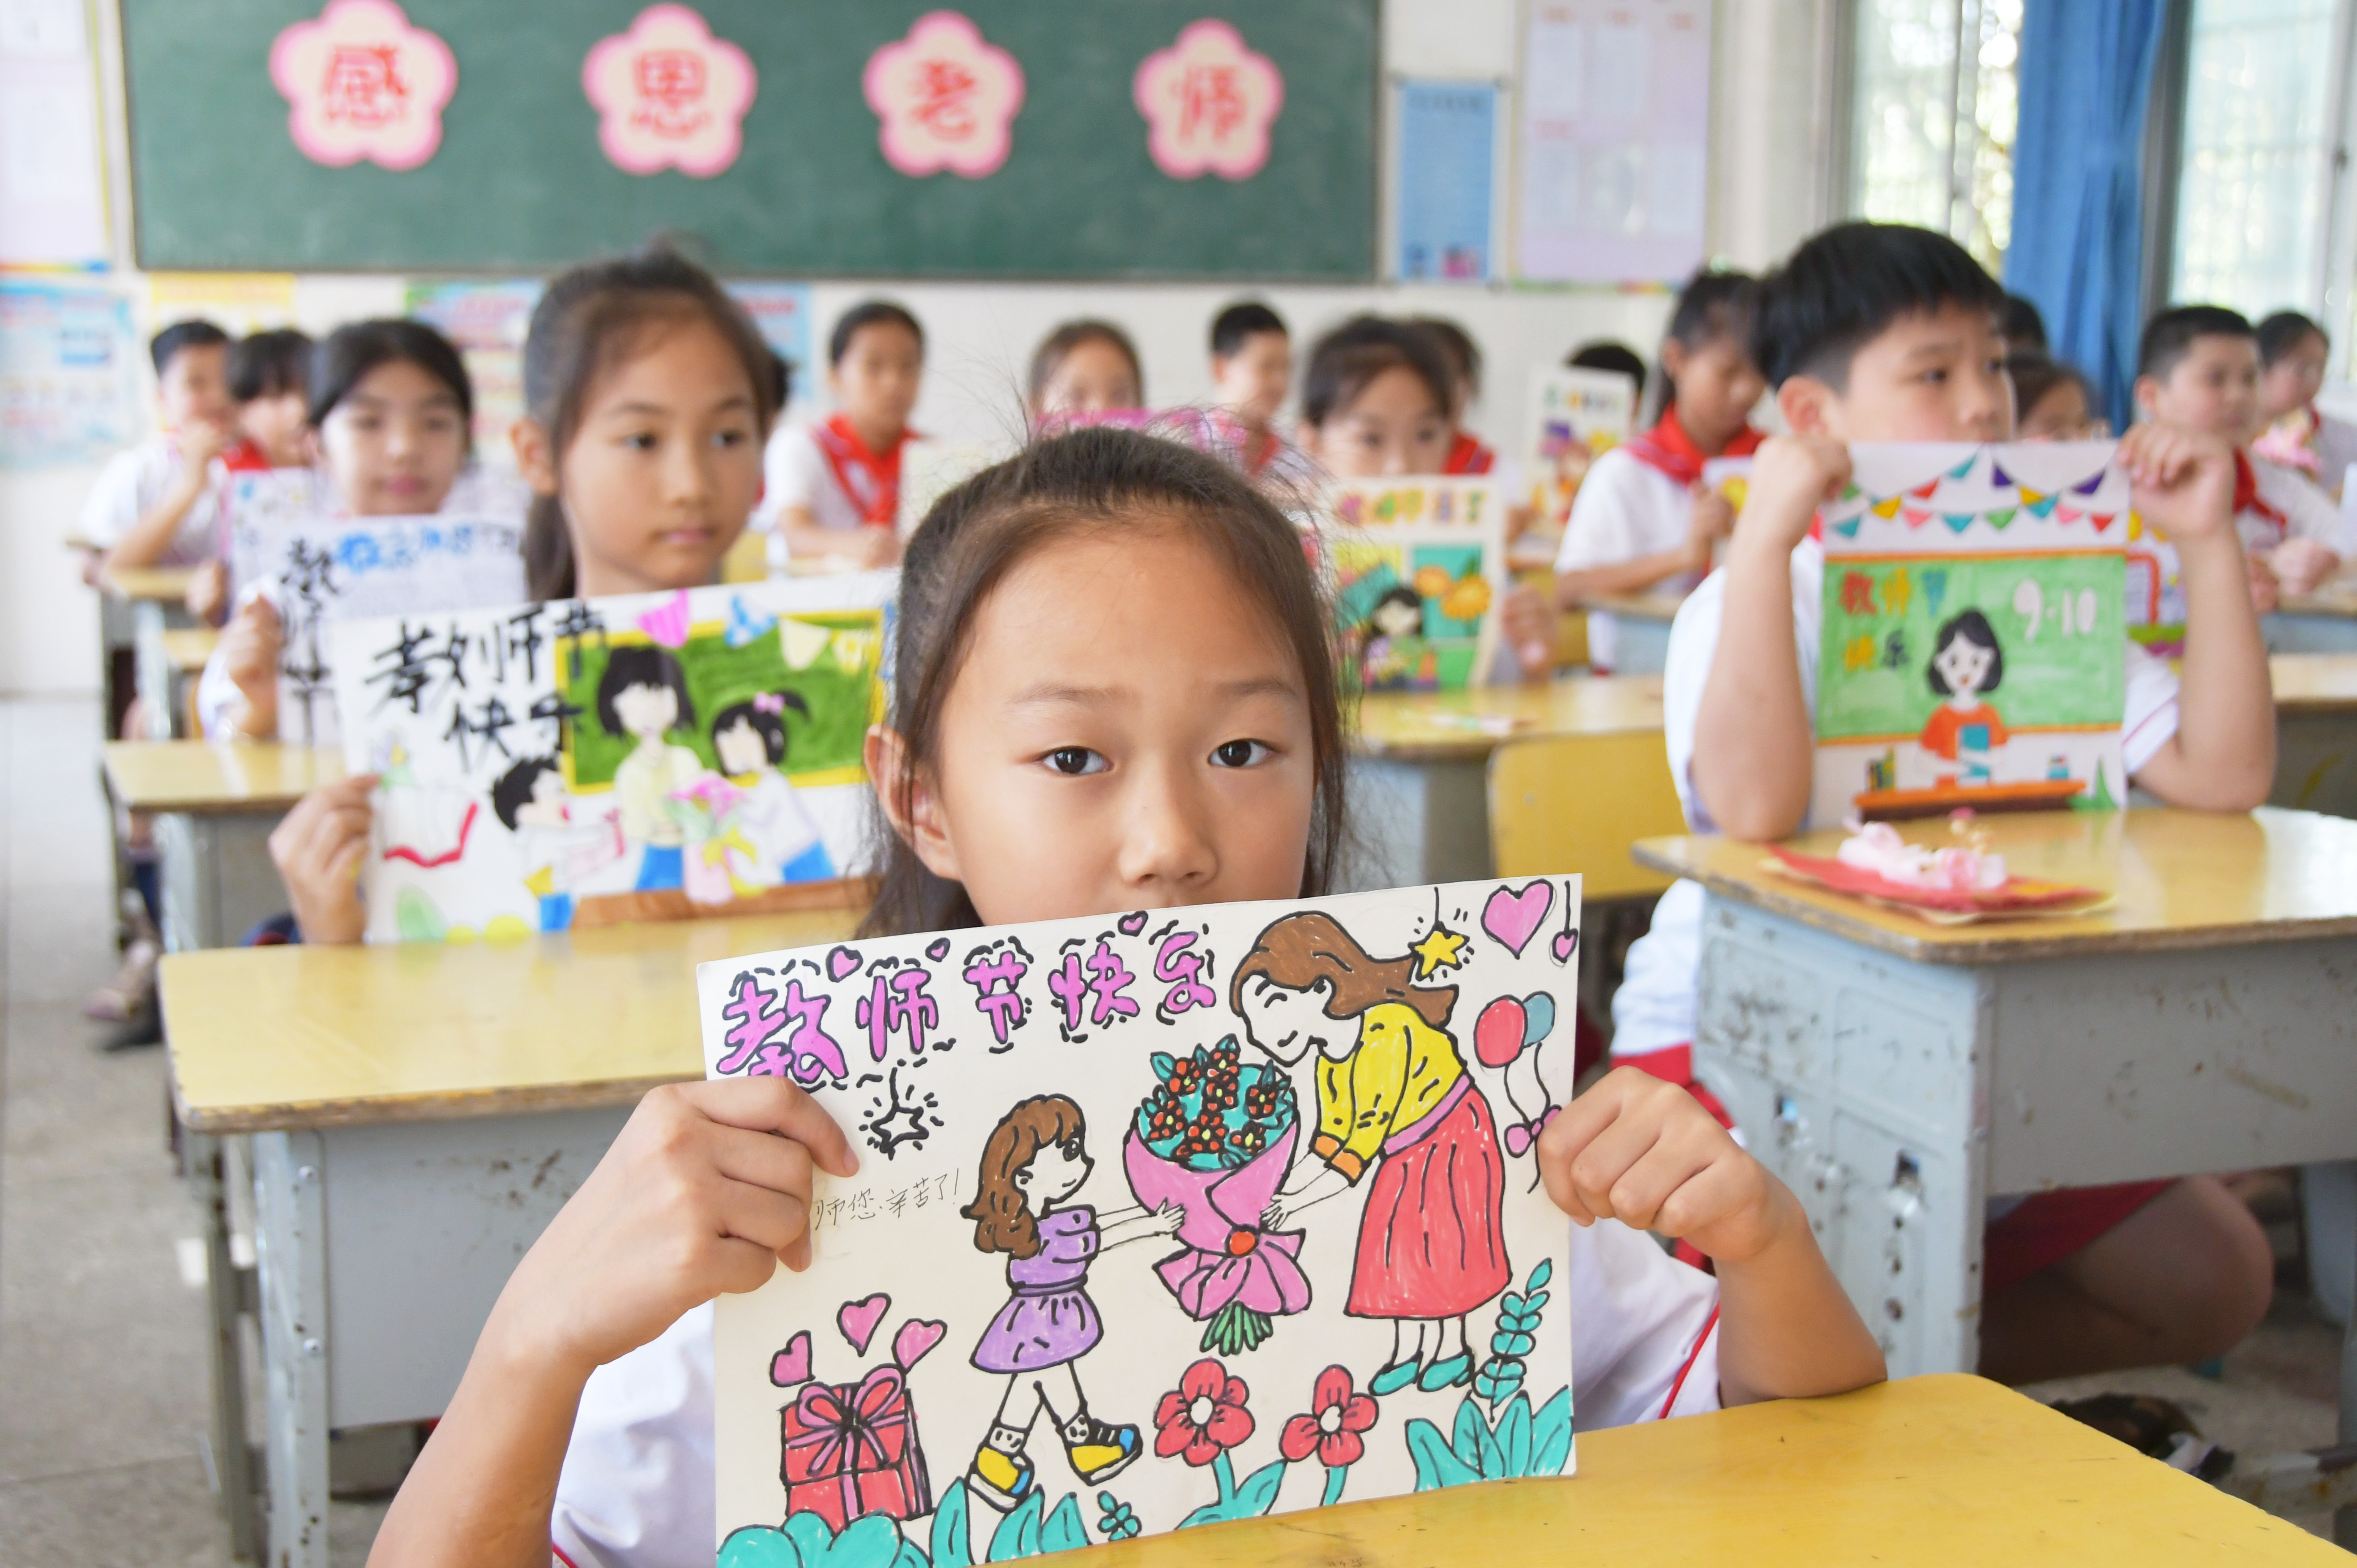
(1392, 1093)
(1036, 1158)
(749, 739)
(1114, 691)
(647, 394)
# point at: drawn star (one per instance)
(1440, 949)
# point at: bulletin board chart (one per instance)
(1011, 138)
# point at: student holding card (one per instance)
(270, 383)
(1113, 692)
(1882, 332)
(835, 486)
(2293, 353)
(647, 392)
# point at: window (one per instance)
(2255, 168)
(1934, 117)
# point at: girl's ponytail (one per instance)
(547, 551)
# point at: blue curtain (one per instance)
(2078, 209)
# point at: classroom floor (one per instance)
(102, 1403)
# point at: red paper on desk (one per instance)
(2015, 894)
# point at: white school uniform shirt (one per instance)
(1626, 508)
(1654, 1008)
(2307, 512)
(794, 472)
(637, 1490)
(131, 484)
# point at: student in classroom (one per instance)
(2198, 366)
(1643, 521)
(1252, 374)
(2053, 402)
(1084, 367)
(1607, 355)
(1467, 454)
(158, 504)
(269, 377)
(1193, 754)
(2021, 326)
(2293, 353)
(1882, 332)
(835, 486)
(647, 395)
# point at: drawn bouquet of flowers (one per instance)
(714, 840)
(1216, 1137)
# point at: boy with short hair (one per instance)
(156, 504)
(1252, 372)
(1882, 332)
(2198, 366)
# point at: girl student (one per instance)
(1084, 367)
(2054, 400)
(1114, 691)
(1467, 452)
(1643, 518)
(2293, 353)
(647, 392)
(835, 486)
(1036, 1159)
(391, 407)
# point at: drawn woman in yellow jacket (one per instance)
(1393, 1094)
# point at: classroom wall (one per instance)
(1767, 142)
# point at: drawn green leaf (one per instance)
(1018, 1534)
(1514, 1436)
(949, 1534)
(1436, 1467)
(1065, 1528)
(1476, 1446)
(1551, 1436)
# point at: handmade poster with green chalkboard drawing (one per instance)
(645, 756)
(1974, 646)
(1000, 138)
(1417, 569)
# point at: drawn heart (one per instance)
(1566, 944)
(916, 1336)
(1132, 924)
(791, 1366)
(842, 964)
(938, 951)
(1513, 916)
(858, 1319)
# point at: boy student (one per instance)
(835, 486)
(2199, 366)
(1882, 332)
(269, 379)
(156, 503)
(1252, 372)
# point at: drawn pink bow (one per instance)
(866, 1432)
(768, 703)
(1229, 1258)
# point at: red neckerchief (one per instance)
(872, 481)
(2246, 490)
(247, 457)
(1668, 448)
(1468, 456)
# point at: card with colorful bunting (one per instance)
(1417, 567)
(1973, 642)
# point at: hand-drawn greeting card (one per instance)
(1163, 1219)
(1576, 417)
(318, 570)
(1416, 567)
(1972, 651)
(580, 763)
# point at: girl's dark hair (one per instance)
(1099, 480)
(514, 791)
(589, 321)
(769, 727)
(1610, 355)
(1057, 346)
(1403, 594)
(354, 350)
(2035, 375)
(1002, 1220)
(1712, 304)
(1969, 624)
(1456, 346)
(1351, 356)
(2279, 334)
(868, 313)
(642, 664)
(265, 364)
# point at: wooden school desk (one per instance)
(2322, 622)
(2316, 731)
(184, 651)
(1945, 1472)
(1641, 629)
(156, 600)
(414, 1115)
(214, 805)
(1897, 1074)
(1419, 766)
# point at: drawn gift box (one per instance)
(851, 1450)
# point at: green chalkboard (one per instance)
(520, 182)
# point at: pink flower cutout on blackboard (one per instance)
(669, 94)
(362, 83)
(1210, 102)
(947, 99)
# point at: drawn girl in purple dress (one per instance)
(1036, 1159)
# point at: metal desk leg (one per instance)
(205, 1160)
(155, 672)
(1419, 821)
(290, 1214)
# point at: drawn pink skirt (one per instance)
(1431, 1242)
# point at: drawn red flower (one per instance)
(1204, 1417)
(1337, 1416)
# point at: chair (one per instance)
(1575, 803)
